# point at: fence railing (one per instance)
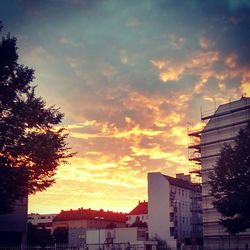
(114, 246)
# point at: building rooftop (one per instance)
(141, 208)
(179, 182)
(227, 108)
(89, 214)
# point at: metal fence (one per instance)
(120, 246)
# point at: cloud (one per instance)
(245, 88)
(197, 63)
(129, 75)
(176, 40)
(204, 42)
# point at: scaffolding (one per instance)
(194, 152)
(222, 126)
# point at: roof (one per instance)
(179, 182)
(89, 214)
(141, 208)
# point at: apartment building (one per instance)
(171, 213)
(222, 126)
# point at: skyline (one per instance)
(128, 77)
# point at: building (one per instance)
(78, 221)
(119, 238)
(42, 220)
(222, 126)
(170, 208)
(13, 226)
(139, 213)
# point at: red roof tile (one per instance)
(141, 208)
(89, 214)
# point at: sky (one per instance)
(129, 77)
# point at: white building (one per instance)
(119, 238)
(170, 203)
(140, 212)
(42, 220)
(222, 127)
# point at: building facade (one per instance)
(78, 221)
(139, 213)
(222, 126)
(119, 238)
(170, 208)
(42, 220)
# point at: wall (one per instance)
(159, 208)
(120, 235)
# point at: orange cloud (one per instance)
(245, 88)
(197, 63)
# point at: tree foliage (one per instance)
(31, 146)
(38, 236)
(61, 235)
(161, 244)
(230, 183)
(139, 223)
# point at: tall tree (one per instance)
(31, 146)
(230, 183)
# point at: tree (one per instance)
(61, 235)
(139, 223)
(230, 183)
(31, 146)
(161, 244)
(38, 236)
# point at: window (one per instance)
(171, 231)
(171, 217)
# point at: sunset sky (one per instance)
(128, 75)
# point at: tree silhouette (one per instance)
(61, 235)
(31, 146)
(230, 183)
(38, 236)
(139, 223)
